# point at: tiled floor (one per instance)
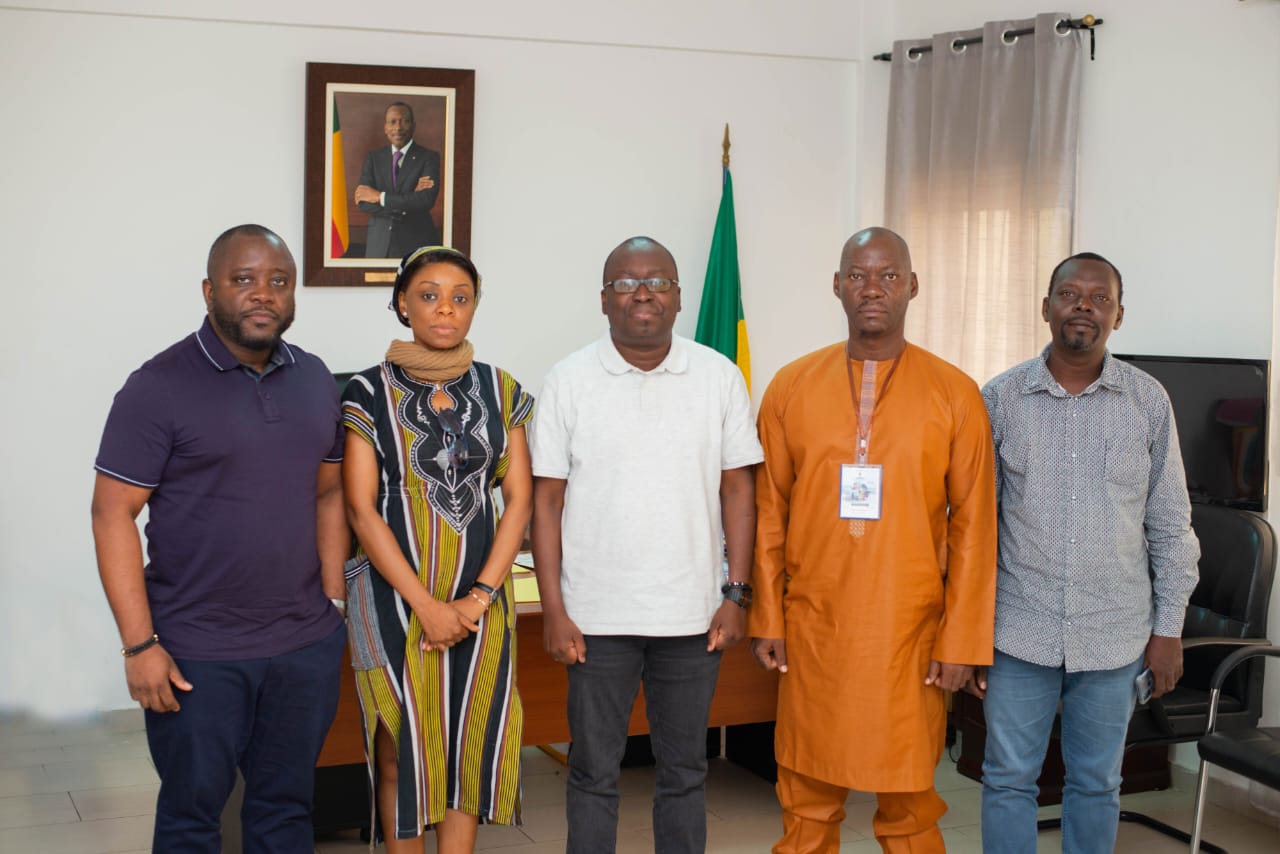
(90, 788)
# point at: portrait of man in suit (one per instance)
(398, 187)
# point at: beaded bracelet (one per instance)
(131, 651)
(493, 594)
(476, 596)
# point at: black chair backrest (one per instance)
(1237, 568)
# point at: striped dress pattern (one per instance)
(455, 715)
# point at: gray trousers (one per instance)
(679, 678)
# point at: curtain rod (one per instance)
(1088, 22)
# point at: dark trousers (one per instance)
(679, 678)
(267, 716)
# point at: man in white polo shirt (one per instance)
(643, 450)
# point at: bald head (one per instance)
(878, 235)
(633, 246)
(219, 248)
(874, 285)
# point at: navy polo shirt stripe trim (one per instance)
(121, 477)
(222, 351)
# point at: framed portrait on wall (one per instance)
(388, 168)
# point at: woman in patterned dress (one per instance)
(430, 434)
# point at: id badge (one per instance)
(860, 491)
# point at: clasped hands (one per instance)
(446, 623)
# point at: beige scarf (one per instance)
(433, 366)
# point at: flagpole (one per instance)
(721, 323)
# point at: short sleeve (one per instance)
(357, 406)
(138, 437)
(338, 450)
(741, 445)
(517, 404)
(549, 437)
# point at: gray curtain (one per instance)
(981, 181)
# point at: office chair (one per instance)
(1227, 611)
(1252, 752)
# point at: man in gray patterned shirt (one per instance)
(1097, 562)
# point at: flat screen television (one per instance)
(1220, 406)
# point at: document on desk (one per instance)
(526, 583)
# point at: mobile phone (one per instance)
(1145, 683)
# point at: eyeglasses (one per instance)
(454, 455)
(630, 286)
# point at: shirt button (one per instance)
(1073, 498)
(1073, 542)
(1073, 456)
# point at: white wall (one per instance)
(593, 122)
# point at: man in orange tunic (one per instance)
(875, 560)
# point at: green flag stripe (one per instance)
(721, 307)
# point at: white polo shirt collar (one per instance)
(675, 362)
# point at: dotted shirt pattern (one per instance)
(1096, 549)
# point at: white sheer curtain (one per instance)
(981, 181)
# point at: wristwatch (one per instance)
(737, 592)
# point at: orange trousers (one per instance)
(904, 823)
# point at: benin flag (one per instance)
(340, 238)
(721, 325)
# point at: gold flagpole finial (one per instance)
(725, 160)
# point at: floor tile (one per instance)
(54, 808)
(497, 836)
(89, 788)
(15, 758)
(857, 819)
(542, 789)
(533, 762)
(127, 746)
(116, 801)
(26, 780)
(545, 823)
(99, 773)
(83, 837)
(964, 807)
(744, 835)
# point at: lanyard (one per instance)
(865, 404)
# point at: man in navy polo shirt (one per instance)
(232, 439)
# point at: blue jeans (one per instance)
(679, 677)
(1021, 701)
(269, 717)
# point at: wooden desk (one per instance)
(744, 694)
